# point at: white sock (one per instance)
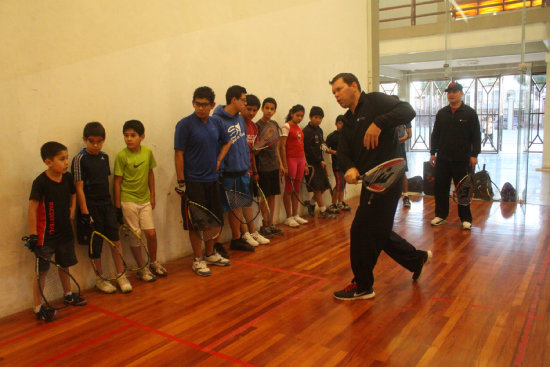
(322, 208)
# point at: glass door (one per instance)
(524, 124)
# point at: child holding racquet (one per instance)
(313, 138)
(338, 191)
(250, 235)
(134, 191)
(270, 169)
(51, 208)
(294, 163)
(91, 172)
(197, 160)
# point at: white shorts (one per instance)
(138, 215)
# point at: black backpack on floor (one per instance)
(483, 186)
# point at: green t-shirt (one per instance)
(134, 169)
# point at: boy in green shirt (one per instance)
(135, 193)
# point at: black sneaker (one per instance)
(352, 293)
(266, 232)
(426, 259)
(240, 246)
(74, 299)
(327, 215)
(333, 209)
(45, 313)
(345, 207)
(406, 202)
(276, 230)
(221, 250)
(310, 208)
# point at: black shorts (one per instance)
(105, 222)
(206, 194)
(319, 180)
(64, 255)
(269, 183)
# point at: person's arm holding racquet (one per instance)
(178, 159)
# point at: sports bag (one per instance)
(483, 186)
(508, 192)
(415, 184)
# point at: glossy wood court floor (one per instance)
(484, 300)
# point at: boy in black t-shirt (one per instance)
(338, 191)
(51, 208)
(91, 176)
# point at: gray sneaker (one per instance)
(326, 215)
(266, 232)
(276, 230)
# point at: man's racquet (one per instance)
(464, 190)
(109, 270)
(205, 224)
(49, 285)
(267, 137)
(133, 240)
(382, 177)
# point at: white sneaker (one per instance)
(200, 268)
(466, 225)
(247, 237)
(291, 222)
(217, 259)
(124, 284)
(437, 221)
(158, 269)
(300, 220)
(146, 275)
(104, 286)
(260, 239)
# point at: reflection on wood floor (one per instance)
(483, 301)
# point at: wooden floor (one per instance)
(483, 301)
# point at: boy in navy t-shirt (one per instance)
(51, 208)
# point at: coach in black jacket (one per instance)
(456, 140)
(367, 139)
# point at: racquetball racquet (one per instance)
(302, 190)
(49, 285)
(267, 137)
(138, 246)
(205, 224)
(108, 263)
(464, 190)
(382, 177)
(261, 199)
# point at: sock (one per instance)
(37, 308)
(68, 293)
(322, 208)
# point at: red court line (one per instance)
(82, 346)
(524, 341)
(257, 319)
(46, 327)
(172, 337)
(286, 271)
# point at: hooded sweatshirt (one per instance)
(237, 159)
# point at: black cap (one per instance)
(454, 86)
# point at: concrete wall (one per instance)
(65, 63)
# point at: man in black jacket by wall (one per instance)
(367, 139)
(456, 140)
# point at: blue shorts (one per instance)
(240, 184)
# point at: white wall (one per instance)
(65, 63)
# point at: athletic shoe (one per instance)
(104, 286)
(266, 232)
(310, 208)
(426, 259)
(158, 269)
(345, 207)
(300, 220)
(260, 239)
(146, 275)
(466, 225)
(276, 230)
(74, 299)
(291, 222)
(221, 250)
(240, 245)
(124, 284)
(327, 215)
(217, 259)
(437, 221)
(333, 209)
(247, 237)
(45, 313)
(406, 202)
(352, 293)
(200, 268)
